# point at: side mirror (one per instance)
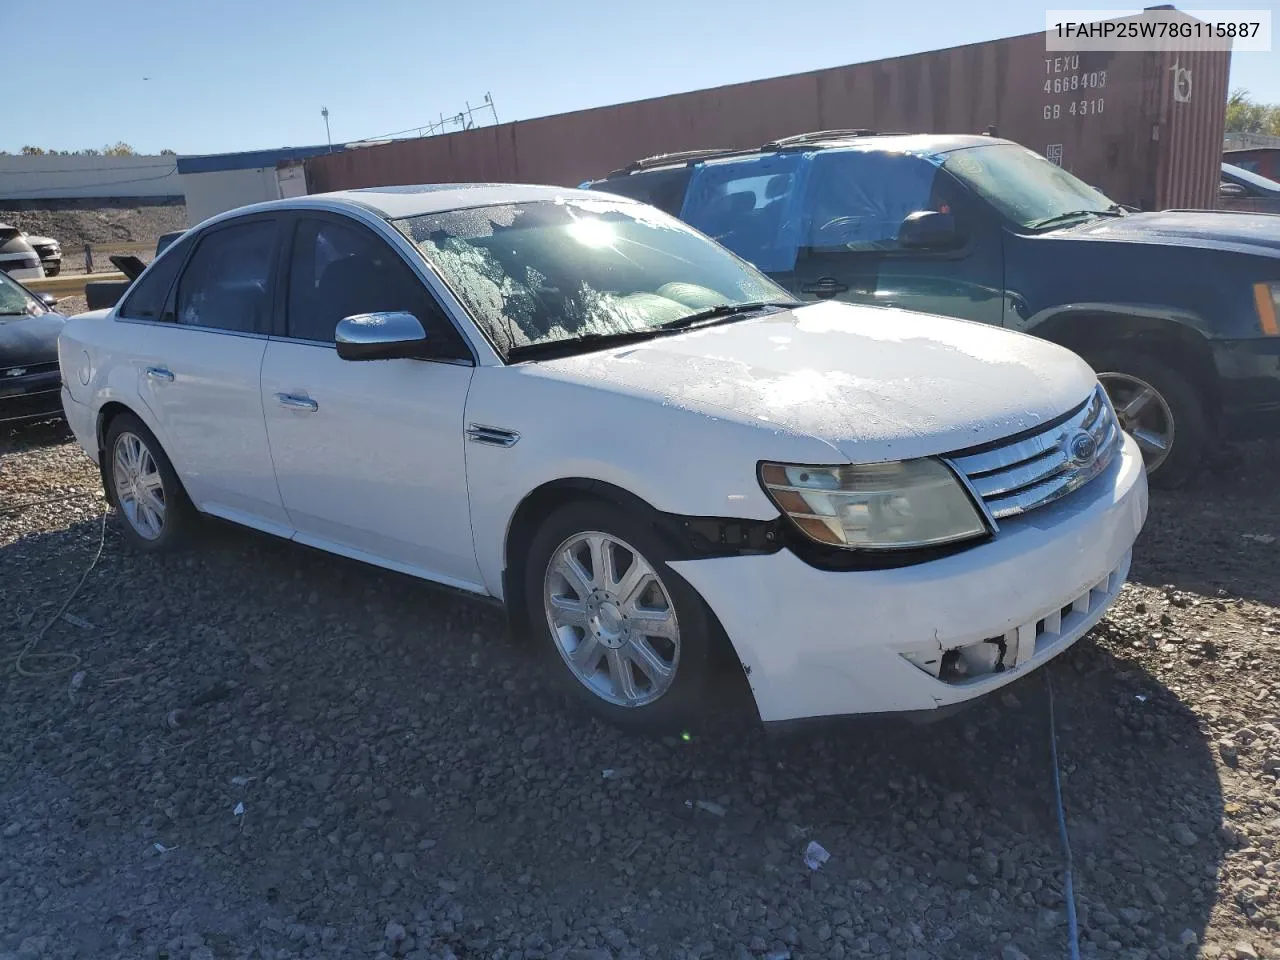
(928, 230)
(1231, 190)
(380, 336)
(49, 300)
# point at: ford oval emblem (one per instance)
(1082, 448)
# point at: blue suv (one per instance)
(1176, 310)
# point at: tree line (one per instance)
(1245, 115)
(120, 149)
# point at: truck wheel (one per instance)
(1161, 409)
(627, 635)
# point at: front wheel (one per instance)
(1162, 410)
(629, 637)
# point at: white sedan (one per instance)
(581, 407)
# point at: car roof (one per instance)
(413, 200)
(929, 144)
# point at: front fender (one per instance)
(677, 460)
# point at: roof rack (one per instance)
(815, 135)
(662, 159)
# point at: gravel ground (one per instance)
(251, 749)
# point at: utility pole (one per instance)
(324, 112)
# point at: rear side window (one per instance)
(227, 282)
(147, 298)
(749, 206)
(339, 270)
(857, 199)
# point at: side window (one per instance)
(339, 271)
(227, 282)
(147, 298)
(663, 189)
(857, 199)
(748, 205)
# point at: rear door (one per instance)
(853, 207)
(197, 344)
(368, 454)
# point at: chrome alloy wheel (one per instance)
(612, 619)
(1143, 414)
(139, 487)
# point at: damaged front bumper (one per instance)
(824, 643)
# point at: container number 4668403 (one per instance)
(1076, 81)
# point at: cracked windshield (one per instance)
(547, 272)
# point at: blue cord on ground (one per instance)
(1068, 893)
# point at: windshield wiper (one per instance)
(1115, 210)
(601, 341)
(723, 312)
(588, 341)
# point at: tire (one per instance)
(137, 472)
(1192, 436)
(607, 629)
(53, 269)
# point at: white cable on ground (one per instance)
(1073, 929)
(26, 654)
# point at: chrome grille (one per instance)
(1033, 470)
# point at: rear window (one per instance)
(663, 189)
(147, 297)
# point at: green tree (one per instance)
(121, 149)
(33, 151)
(1245, 115)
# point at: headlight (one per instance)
(1266, 297)
(877, 506)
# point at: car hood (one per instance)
(876, 383)
(1256, 233)
(42, 241)
(29, 340)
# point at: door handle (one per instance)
(296, 402)
(824, 288)
(160, 373)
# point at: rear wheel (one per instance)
(143, 486)
(1161, 409)
(628, 636)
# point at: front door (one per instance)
(854, 204)
(368, 454)
(197, 346)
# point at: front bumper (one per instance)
(1249, 378)
(30, 397)
(822, 643)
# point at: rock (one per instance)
(1188, 937)
(322, 782)
(1156, 892)
(394, 932)
(1010, 952)
(1229, 752)
(1184, 835)
(1244, 950)
(11, 830)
